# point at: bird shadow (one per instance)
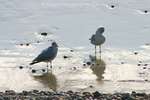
(98, 69)
(48, 80)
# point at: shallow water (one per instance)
(125, 54)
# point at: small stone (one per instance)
(84, 64)
(133, 93)
(126, 96)
(38, 41)
(27, 44)
(96, 94)
(122, 62)
(91, 86)
(65, 57)
(43, 70)
(145, 64)
(145, 11)
(88, 63)
(138, 64)
(141, 94)
(112, 6)
(25, 93)
(135, 53)
(33, 71)
(44, 33)
(144, 67)
(71, 50)
(21, 44)
(74, 68)
(21, 67)
(10, 92)
(35, 91)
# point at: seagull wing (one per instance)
(43, 56)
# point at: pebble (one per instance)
(70, 95)
(65, 57)
(88, 63)
(44, 33)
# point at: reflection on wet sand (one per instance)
(98, 69)
(48, 80)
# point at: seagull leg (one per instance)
(100, 51)
(47, 67)
(51, 65)
(95, 52)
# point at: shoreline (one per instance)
(70, 95)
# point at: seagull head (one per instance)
(100, 30)
(54, 44)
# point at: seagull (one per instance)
(47, 55)
(98, 39)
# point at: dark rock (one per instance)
(91, 86)
(145, 64)
(84, 64)
(133, 93)
(74, 68)
(122, 62)
(27, 44)
(43, 70)
(145, 11)
(44, 34)
(69, 92)
(138, 64)
(141, 94)
(35, 91)
(96, 94)
(71, 50)
(65, 57)
(25, 93)
(10, 92)
(21, 67)
(112, 6)
(33, 71)
(38, 41)
(126, 96)
(135, 53)
(21, 44)
(88, 63)
(144, 67)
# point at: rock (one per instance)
(96, 94)
(135, 53)
(33, 71)
(138, 64)
(21, 67)
(133, 93)
(35, 91)
(21, 44)
(43, 70)
(27, 44)
(88, 63)
(10, 92)
(84, 64)
(112, 6)
(122, 62)
(25, 93)
(145, 11)
(126, 96)
(145, 64)
(65, 57)
(141, 94)
(44, 34)
(71, 50)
